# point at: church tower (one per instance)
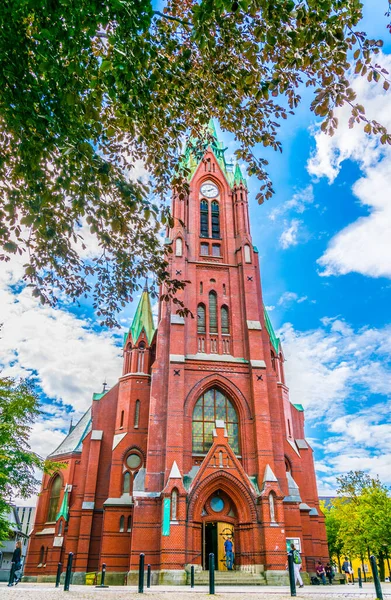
(199, 442)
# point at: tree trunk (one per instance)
(363, 567)
(382, 573)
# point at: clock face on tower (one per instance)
(209, 190)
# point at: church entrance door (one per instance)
(215, 534)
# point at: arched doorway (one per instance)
(219, 517)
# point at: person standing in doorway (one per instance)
(229, 554)
(16, 565)
(296, 564)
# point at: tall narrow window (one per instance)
(122, 523)
(204, 219)
(54, 498)
(247, 254)
(129, 527)
(215, 220)
(201, 287)
(178, 247)
(126, 486)
(41, 556)
(122, 419)
(224, 320)
(212, 312)
(174, 505)
(201, 325)
(272, 508)
(137, 414)
(140, 358)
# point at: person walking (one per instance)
(229, 554)
(16, 565)
(347, 570)
(321, 573)
(297, 562)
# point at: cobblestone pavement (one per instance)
(31, 591)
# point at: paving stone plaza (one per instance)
(28, 591)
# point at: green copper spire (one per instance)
(64, 508)
(143, 319)
(212, 129)
(238, 176)
(275, 341)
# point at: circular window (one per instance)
(133, 461)
(217, 504)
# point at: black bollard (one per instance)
(192, 576)
(148, 576)
(141, 574)
(68, 572)
(12, 574)
(58, 575)
(211, 573)
(359, 578)
(292, 579)
(102, 577)
(379, 593)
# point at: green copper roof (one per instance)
(299, 407)
(238, 176)
(275, 341)
(64, 508)
(143, 319)
(193, 155)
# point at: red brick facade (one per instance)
(261, 482)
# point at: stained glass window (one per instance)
(224, 320)
(213, 405)
(212, 312)
(54, 498)
(204, 229)
(215, 220)
(201, 326)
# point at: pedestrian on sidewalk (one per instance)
(329, 572)
(348, 571)
(16, 565)
(297, 562)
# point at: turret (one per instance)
(138, 352)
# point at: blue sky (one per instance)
(325, 249)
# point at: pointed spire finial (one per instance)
(104, 386)
(146, 285)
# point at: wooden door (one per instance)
(224, 531)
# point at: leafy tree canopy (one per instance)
(87, 88)
(18, 411)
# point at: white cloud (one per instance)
(332, 370)
(289, 236)
(68, 358)
(290, 297)
(300, 201)
(364, 246)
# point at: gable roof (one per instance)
(74, 439)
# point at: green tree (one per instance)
(88, 88)
(333, 524)
(19, 408)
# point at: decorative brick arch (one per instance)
(233, 487)
(226, 386)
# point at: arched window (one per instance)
(288, 467)
(204, 219)
(41, 556)
(212, 312)
(272, 508)
(213, 405)
(178, 247)
(247, 254)
(201, 324)
(137, 414)
(122, 523)
(126, 484)
(174, 505)
(224, 319)
(141, 354)
(54, 501)
(60, 527)
(215, 220)
(129, 527)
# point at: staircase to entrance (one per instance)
(229, 578)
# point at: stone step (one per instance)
(229, 578)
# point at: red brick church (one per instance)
(198, 441)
